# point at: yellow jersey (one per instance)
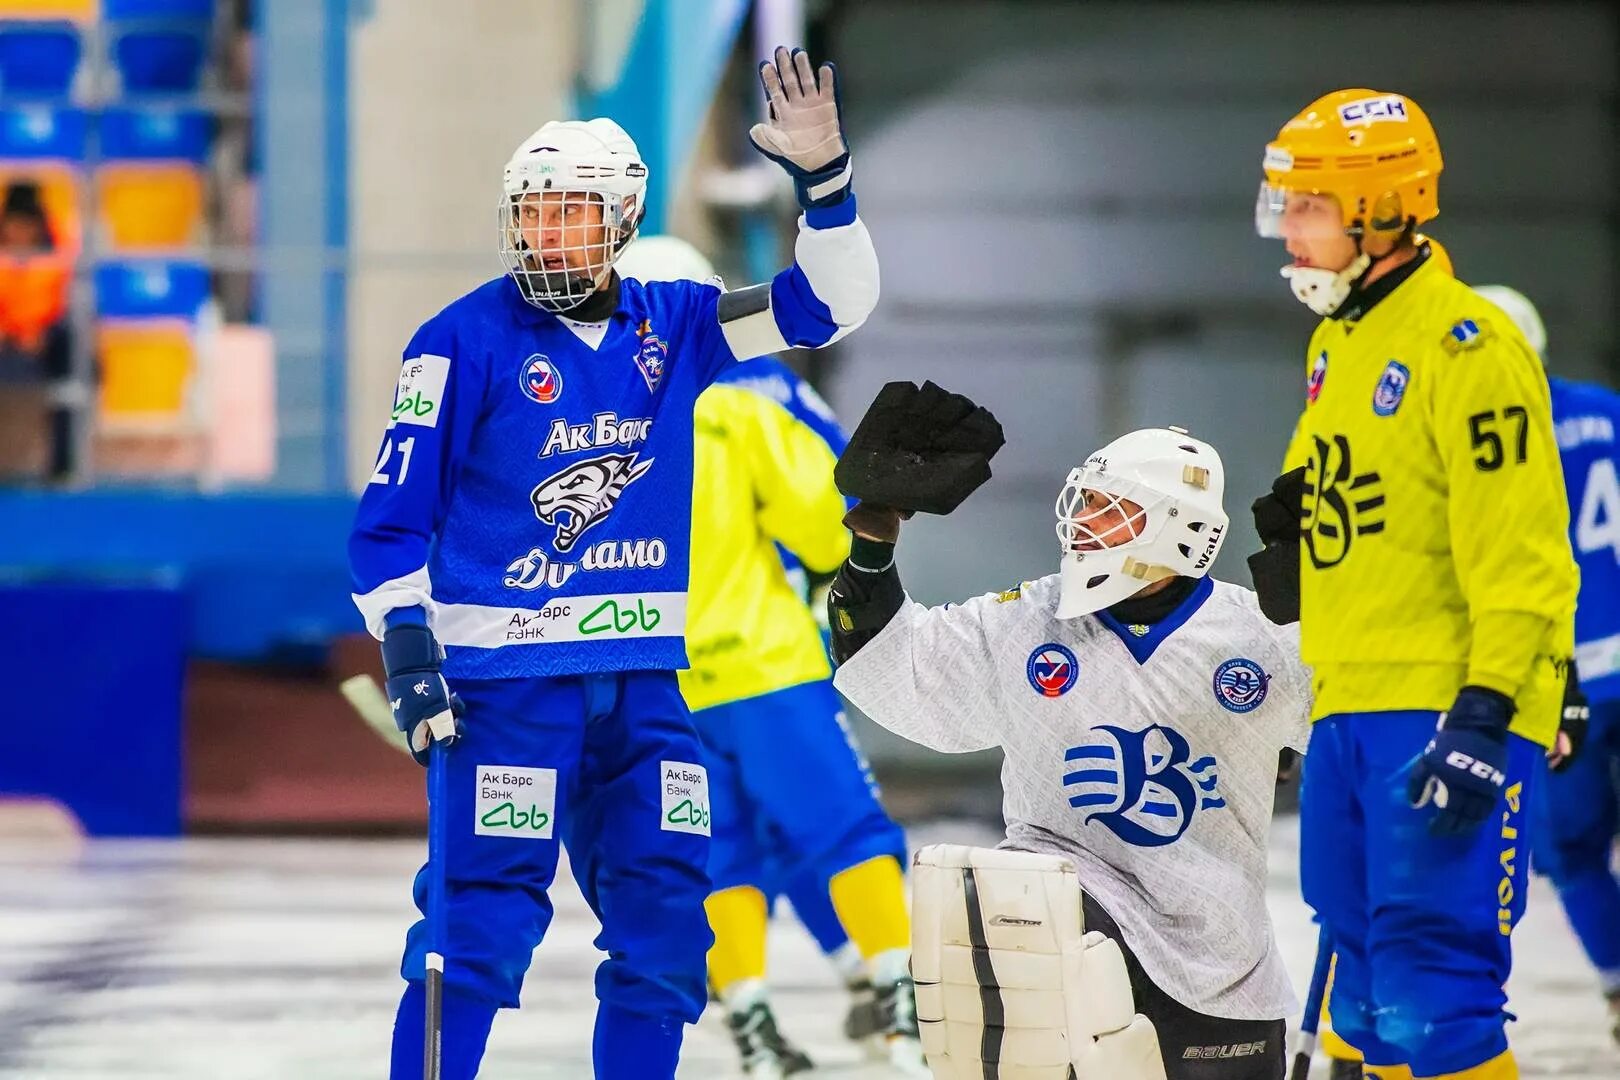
(763, 456)
(1434, 549)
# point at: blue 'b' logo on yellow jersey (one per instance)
(1140, 785)
(1391, 388)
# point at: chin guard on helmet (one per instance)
(1322, 290)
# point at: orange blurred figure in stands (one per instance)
(36, 270)
(34, 277)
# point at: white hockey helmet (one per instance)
(1517, 306)
(574, 193)
(1111, 551)
(664, 258)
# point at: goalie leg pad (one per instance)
(1009, 984)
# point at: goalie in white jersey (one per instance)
(1141, 706)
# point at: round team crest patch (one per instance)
(1052, 669)
(541, 380)
(1240, 685)
(1318, 376)
(1391, 388)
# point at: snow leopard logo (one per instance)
(584, 494)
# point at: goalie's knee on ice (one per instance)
(1006, 973)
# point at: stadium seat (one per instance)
(155, 134)
(119, 10)
(42, 133)
(146, 368)
(159, 61)
(58, 193)
(81, 11)
(149, 206)
(37, 61)
(150, 289)
(45, 146)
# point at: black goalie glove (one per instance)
(918, 450)
(1275, 569)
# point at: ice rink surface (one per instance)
(246, 959)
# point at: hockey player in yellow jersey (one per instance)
(1418, 533)
(793, 804)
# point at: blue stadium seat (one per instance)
(159, 61)
(115, 10)
(38, 61)
(155, 134)
(150, 289)
(39, 133)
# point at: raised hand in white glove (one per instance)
(805, 133)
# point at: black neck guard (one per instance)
(1147, 610)
(1362, 299)
(598, 306)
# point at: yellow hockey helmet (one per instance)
(1375, 153)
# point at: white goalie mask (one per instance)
(574, 193)
(1143, 508)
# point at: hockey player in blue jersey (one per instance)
(521, 552)
(1577, 807)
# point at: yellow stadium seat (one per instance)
(146, 369)
(58, 192)
(149, 205)
(76, 10)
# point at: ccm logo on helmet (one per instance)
(1372, 110)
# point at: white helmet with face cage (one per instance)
(1111, 551)
(580, 164)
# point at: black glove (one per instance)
(864, 597)
(918, 449)
(1275, 568)
(1461, 770)
(1573, 724)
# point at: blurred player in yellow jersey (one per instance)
(792, 801)
(1419, 535)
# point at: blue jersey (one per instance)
(533, 493)
(1586, 418)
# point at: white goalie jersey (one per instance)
(1145, 755)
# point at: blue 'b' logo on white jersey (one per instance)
(1240, 685)
(1141, 785)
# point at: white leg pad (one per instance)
(1009, 985)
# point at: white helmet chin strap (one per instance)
(1325, 291)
